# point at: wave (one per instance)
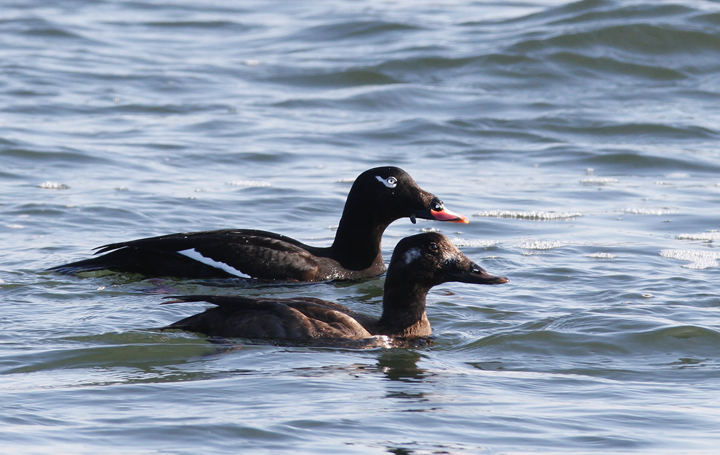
(531, 215)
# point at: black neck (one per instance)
(404, 308)
(358, 237)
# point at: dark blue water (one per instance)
(580, 138)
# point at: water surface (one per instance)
(580, 138)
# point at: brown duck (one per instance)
(418, 263)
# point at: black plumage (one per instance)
(378, 197)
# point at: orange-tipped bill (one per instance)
(447, 215)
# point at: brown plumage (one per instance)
(418, 263)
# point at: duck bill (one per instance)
(439, 215)
(476, 275)
(447, 215)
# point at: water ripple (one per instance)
(180, 116)
(352, 30)
(532, 215)
(699, 260)
(705, 236)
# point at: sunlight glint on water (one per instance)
(580, 138)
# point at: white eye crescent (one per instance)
(390, 182)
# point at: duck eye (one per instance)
(390, 182)
(434, 248)
(438, 206)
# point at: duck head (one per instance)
(431, 259)
(391, 193)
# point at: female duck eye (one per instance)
(434, 248)
(390, 182)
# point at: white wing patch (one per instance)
(411, 255)
(193, 254)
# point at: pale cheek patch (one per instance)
(193, 254)
(411, 255)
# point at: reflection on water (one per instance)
(401, 365)
(582, 136)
